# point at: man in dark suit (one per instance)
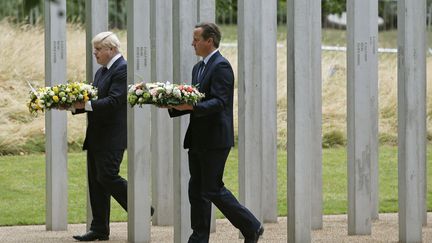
(209, 138)
(106, 139)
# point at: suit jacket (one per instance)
(107, 123)
(211, 121)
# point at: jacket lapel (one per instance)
(101, 77)
(208, 68)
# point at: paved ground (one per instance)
(335, 230)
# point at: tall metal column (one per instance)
(184, 19)
(359, 117)
(139, 123)
(316, 143)
(55, 120)
(411, 118)
(96, 22)
(206, 10)
(373, 79)
(162, 124)
(300, 89)
(257, 108)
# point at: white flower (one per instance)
(132, 89)
(168, 88)
(176, 92)
(139, 92)
(86, 87)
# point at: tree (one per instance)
(333, 7)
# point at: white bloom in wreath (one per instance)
(139, 92)
(168, 88)
(132, 89)
(176, 92)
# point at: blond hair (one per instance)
(107, 39)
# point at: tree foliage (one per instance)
(333, 7)
(30, 11)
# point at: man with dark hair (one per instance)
(209, 138)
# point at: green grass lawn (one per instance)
(22, 185)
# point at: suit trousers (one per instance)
(206, 167)
(104, 181)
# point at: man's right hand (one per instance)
(79, 105)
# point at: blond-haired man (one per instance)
(106, 139)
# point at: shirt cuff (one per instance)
(88, 106)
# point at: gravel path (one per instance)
(335, 230)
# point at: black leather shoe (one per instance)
(91, 236)
(151, 211)
(256, 236)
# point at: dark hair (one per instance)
(210, 30)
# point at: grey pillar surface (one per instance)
(316, 143)
(411, 117)
(55, 120)
(300, 89)
(359, 118)
(207, 13)
(96, 22)
(268, 79)
(373, 79)
(184, 20)
(162, 124)
(139, 123)
(257, 108)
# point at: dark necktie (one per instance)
(104, 70)
(201, 70)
